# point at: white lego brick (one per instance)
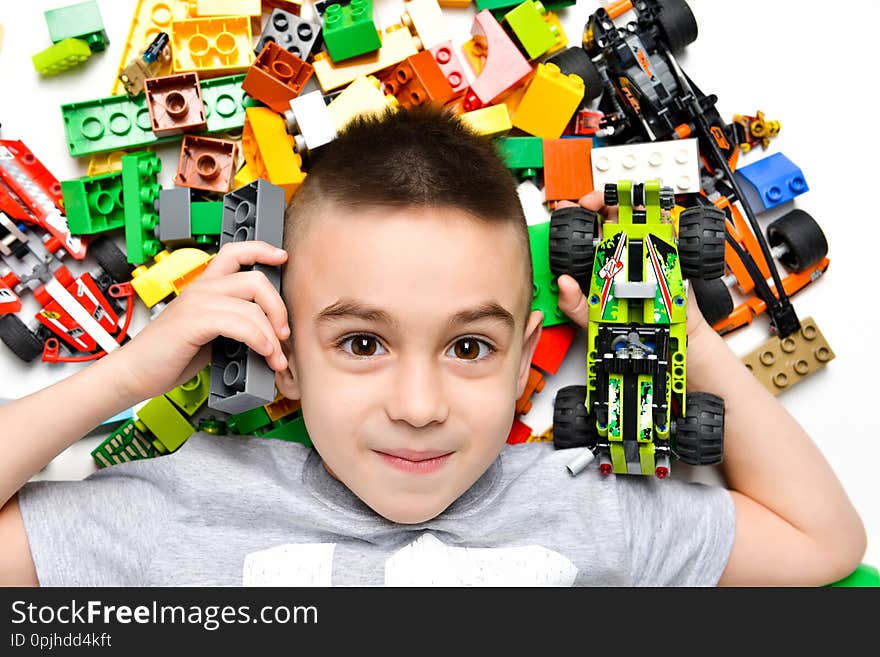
(425, 19)
(363, 96)
(675, 163)
(532, 200)
(313, 121)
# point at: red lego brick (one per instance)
(418, 80)
(206, 163)
(503, 65)
(553, 346)
(534, 385)
(175, 104)
(276, 77)
(519, 433)
(567, 171)
(450, 64)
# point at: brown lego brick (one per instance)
(175, 104)
(206, 163)
(567, 171)
(418, 80)
(780, 364)
(276, 77)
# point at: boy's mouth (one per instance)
(415, 461)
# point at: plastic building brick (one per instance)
(567, 173)
(94, 205)
(586, 122)
(168, 425)
(281, 407)
(519, 433)
(523, 155)
(675, 163)
(246, 175)
(240, 378)
(555, 24)
(297, 36)
(151, 17)
(781, 363)
(527, 22)
(251, 8)
(206, 219)
(495, 4)
(175, 104)
(492, 120)
(754, 130)
(108, 162)
(771, 181)
(349, 30)
(169, 274)
(174, 227)
(151, 62)
(62, 56)
(864, 575)
(310, 123)
(418, 80)
(206, 163)
(425, 20)
(268, 149)
(190, 395)
(127, 443)
(545, 292)
(292, 6)
(552, 347)
(504, 65)
(363, 96)
(225, 103)
(450, 64)
(212, 46)
(139, 191)
(397, 45)
(534, 385)
(247, 422)
(549, 102)
(276, 77)
(79, 21)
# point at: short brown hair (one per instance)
(422, 157)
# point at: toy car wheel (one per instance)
(701, 234)
(576, 60)
(573, 426)
(714, 299)
(111, 259)
(571, 244)
(677, 23)
(19, 338)
(803, 238)
(699, 435)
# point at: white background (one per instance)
(785, 57)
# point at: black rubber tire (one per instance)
(801, 234)
(573, 426)
(699, 435)
(19, 338)
(701, 235)
(677, 24)
(111, 259)
(576, 60)
(609, 195)
(571, 244)
(714, 299)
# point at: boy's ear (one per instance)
(286, 381)
(530, 342)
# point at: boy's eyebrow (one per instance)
(351, 308)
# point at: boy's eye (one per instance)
(362, 345)
(470, 349)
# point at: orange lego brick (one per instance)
(175, 104)
(534, 385)
(418, 80)
(503, 66)
(281, 407)
(268, 150)
(567, 171)
(212, 46)
(206, 163)
(457, 4)
(276, 77)
(553, 346)
(450, 64)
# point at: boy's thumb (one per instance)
(572, 301)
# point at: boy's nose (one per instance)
(417, 398)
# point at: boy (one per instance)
(410, 285)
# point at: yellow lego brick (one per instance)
(245, 176)
(425, 20)
(397, 45)
(363, 96)
(492, 120)
(281, 407)
(549, 102)
(474, 53)
(251, 8)
(150, 18)
(561, 38)
(268, 150)
(156, 282)
(108, 162)
(212, 46)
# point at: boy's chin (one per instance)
(408, 512)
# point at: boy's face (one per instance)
(410, 349)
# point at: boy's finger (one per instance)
(235, 255)
(254, 286)
(572, 301)
(245, 322)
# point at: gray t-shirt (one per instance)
(232, 510)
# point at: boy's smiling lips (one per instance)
(415, 461)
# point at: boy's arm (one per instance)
(168, 351)
(795, 524)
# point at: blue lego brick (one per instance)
(771, 181)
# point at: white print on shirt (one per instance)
(291, 564)
(428, 561)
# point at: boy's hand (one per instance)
(242, 305)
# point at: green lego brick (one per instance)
(559, 4)
(291, 428)
(248, 422)
(863, 576)
(62, 56)
(94, 205)
(350, 31)
(140, 190)
(225, 103)
(125, 444)
(523, 155)
(493, 5)
(545, 293)
(160, 417)
(206, 221)
(534, 34)
(190, 396)
(81, 21)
